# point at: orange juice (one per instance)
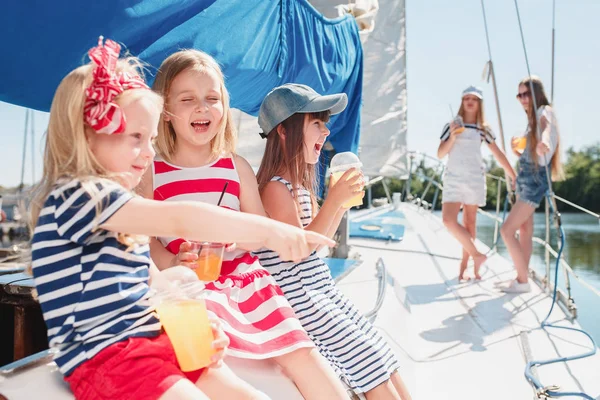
(461, 125)
(209, 265)
(186, 324)
(520, 143)
(210, 258)
(356, 200)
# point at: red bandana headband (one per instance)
(100, 111)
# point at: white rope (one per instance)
(532, 96)
(491, 73)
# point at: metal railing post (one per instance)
(342, 249)
(497, 223)
(387, 190)
(435, 197)
(547, 252)
(409, 179)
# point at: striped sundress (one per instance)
(253, 310)
(356, 350)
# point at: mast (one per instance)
(553, 41)
(492, 75)
(24, 152)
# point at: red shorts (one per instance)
(136, 368)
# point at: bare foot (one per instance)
(479, 261)
(463, 267)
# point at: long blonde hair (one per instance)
(176, 63)
(541, 100)
(287, 155)
(67, 153)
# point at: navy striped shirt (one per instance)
(486, 134)
(93, 290)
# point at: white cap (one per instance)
(475, 91)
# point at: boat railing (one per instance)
(382, 281)
(430, 171)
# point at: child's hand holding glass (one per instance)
(349, 186)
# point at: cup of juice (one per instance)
(186, 323)
(520, 143)
(460, 124)
(340, 163)
(210, 258)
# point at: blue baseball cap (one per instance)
(473, 90)
(291, 98)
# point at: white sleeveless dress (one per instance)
(464, 177)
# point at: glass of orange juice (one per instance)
(210, 258)
(520, 143)
(340, 163)
(459, 123)
(186, 323)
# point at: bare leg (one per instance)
(526, 238)
(394, 389)
(400, 386)
(222, 383)
(470, 223)
(183, 389)
(519, 215)
(384, 391)
(450, 218)
(312, 374)
(464, 263)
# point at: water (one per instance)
(582, 252)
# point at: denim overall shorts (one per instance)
(532, 181)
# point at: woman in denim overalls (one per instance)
(540, 156)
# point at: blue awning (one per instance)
(260, 44)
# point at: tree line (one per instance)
(581, 186)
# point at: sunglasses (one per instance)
(523, 95)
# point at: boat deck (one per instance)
(463, 340)
(454, 340)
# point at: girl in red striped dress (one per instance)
(194, 161)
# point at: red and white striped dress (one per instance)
(255, 314)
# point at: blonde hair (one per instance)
(195, 60)
(541, 100)
(67, 153)
(481, 121)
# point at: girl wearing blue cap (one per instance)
(464, 176)
(293, 118)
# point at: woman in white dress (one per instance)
(464, 177)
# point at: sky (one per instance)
(446, 52)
